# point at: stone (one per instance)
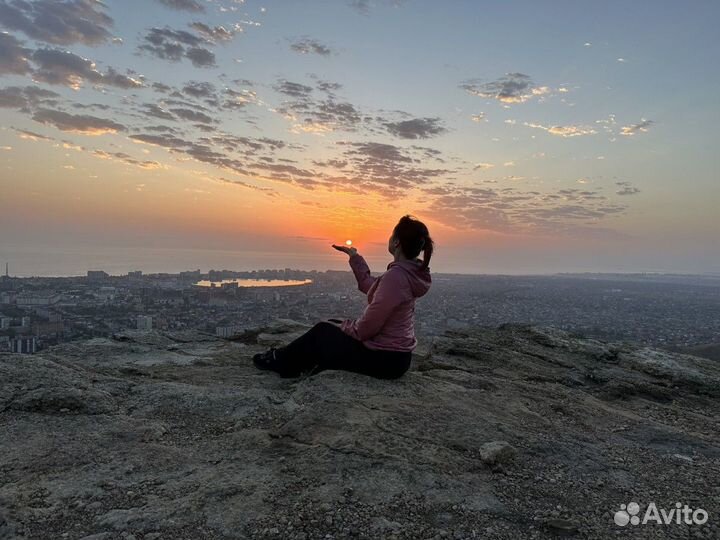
(497, 453)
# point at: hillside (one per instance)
(510, 432)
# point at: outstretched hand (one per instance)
(345, 249)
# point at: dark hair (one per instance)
(414, 238)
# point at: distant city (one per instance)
(677, 312)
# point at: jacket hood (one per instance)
(420, 279)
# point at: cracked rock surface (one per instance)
(509, 432)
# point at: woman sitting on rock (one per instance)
(381, 341)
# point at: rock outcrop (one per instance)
(510, 432)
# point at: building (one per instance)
(23, 345)
(144, 322)
(135, 274)
(227, 331)
(106, 294)
(29, 301)
(97, 275)
(5, 323)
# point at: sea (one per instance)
(76, 261)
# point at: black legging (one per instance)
(326, 346)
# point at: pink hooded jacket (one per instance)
(388, 321)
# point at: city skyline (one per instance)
(530, 137)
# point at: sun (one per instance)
(348, 242)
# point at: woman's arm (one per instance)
(362, 272)
(359, 267)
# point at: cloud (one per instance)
(563, 131)
(126, 158)
(234, 100)
(68, 69)
(293, 89)
(315, 116)
(13, 56)
(512, 88)
(509, 210)
(201, 57)
(198, 89)
(481, 166)
(173, 45)
(385, 168)
(217, 33)
(363, 6)
(151, 109)
(632, 129)
(78, 123)
(328, 87)
(307, 45)
(32, 136)
(417, 128)
(25, 98)
(626, 189)
(58, 22)
(184, 5)
(245, 184)
(322, 116)
(193, 116)
(162, 88)
(479, 117)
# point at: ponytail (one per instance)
(414, 237)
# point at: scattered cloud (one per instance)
(293, 89)
(58, 22)
(417, 128)
(64, 68)
(312, 115)
(363, 6)
(184, 5)
(308, 45)
(13, 56)
(563, 131)
(246, 185)
(192, 115)
(483, 166)
(625, 188)
(510, 210)
(511, 88)
(479, 117)
(128, 159)
(633, 129)
(174, 45)
(78, 123)
(199, 89)
(214, 33)
(386, 168)
(25, 98)
(32, 136)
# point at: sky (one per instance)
(530, 137)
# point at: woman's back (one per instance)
(388, 322)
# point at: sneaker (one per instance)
(265, 360)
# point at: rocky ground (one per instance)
(501, 433)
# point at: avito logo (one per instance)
(629, 514)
